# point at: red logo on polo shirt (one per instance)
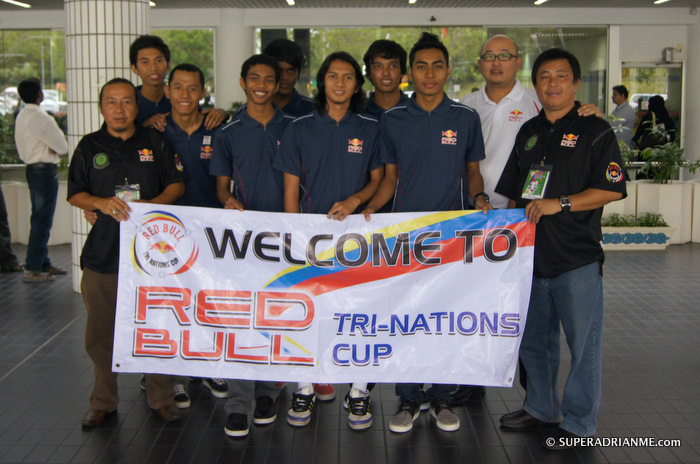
(206, 152)
(516, 116)
(569, 140)
(449, 137)
(145, 155)
(355, 145)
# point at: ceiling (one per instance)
(58, 4)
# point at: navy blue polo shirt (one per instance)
(244, 151)
(377, 111)
(431, 151)
(148, 109)
(299, 105)
(332, 160)
(195, 153)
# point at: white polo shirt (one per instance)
(37, 136)
(500, 124)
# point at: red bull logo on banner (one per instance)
(355, 145)
(449, 137)
(145, 155)
(569, 140)
(163, 246)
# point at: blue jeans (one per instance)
(414, 392)
(43, 191)
(575, 299)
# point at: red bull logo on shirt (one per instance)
(515, 116)
(206, 152)
(163, 247)
(449, 137)
(145, 155)
(355, 145)
(569, 140)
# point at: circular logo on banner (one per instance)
(530, 143)
(614, 172)
(163, 246)
(100, 161)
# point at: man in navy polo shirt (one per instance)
(290, 58)
(244, 152)
(385, 65)
(332, 154)
(436, 145)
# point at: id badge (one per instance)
(536, 183)
(128, 192)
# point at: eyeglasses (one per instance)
(501, 57)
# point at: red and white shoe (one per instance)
(324, 391)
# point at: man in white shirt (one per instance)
(39, 143)
(623, 116)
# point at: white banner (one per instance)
(408, 297)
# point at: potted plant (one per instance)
(628, 232)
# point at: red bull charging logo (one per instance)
(569, 140)
(449, 137)
(355, 145)
(163, 246)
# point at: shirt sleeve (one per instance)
(374, 161)
(173, 171)
(508, 183)
(475, 150)
(77, 172)
(387, 150)
(288, 157)
(608, 170)
(50, 134)
(222, 159)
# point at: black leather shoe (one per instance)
(94, 417)
(561, 439)
(169, 413)
(523, 420)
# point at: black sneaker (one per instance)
(402, 421)
(463, 393)
(218, 387)
(182, 399)
(265, 411)
(237, 425)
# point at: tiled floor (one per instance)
(651, 380)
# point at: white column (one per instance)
(98, 35)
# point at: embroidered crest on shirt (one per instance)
(516, 116)
(178, 164)
(145, 155)
(614, 172)
(206, 152)
(569, 140)
(449, 137)
(355, 145)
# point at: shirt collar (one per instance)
(110, 138)
(325, 119)
(515, 93)
(415, 109)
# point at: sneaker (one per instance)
(463, 393)
(402, 421)
(299, 414)
(182, 399)
(324, 391)
(237, 425)
(37, 277)
(265, 411)
(53, 270)
(218, 387)
(445, 418)
(12, 266)
(359, 413)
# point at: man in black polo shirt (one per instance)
(563, 169)
(121, 162)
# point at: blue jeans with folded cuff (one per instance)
(574, 299)
(42, 180)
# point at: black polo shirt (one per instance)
(583, 153)
(102, 162)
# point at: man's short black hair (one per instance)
(29, 90)
(119, 80)
(622, 90)
(387, 49)
(267, 60)
(428, 41)
(556, 54)
(285, 50)
(147, 41)
(187, 67)
(357, 103)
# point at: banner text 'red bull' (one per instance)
(409, 297)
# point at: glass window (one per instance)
(646, 80)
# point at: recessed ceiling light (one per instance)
(412, 1)
(540, 2)
(13, 2)
(290, 2)
(658, 2)
(151, 4)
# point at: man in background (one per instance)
(623, 115)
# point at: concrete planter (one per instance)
(674, 201)
(637, 238)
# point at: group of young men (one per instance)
(342, 154)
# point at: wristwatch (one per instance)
(565, 204)
(481, 194)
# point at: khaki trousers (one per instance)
(100, 297)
